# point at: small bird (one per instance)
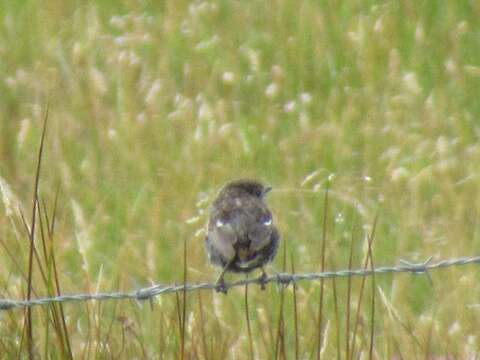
(241, 236)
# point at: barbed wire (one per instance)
(280, 278)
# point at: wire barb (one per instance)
(419, 268)
(283, 279)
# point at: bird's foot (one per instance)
(220, 286)
(263, 280)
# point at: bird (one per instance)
(241, 235)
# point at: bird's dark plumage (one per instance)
(241, 235)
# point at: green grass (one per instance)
(152, 108)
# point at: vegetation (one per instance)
(153, 106)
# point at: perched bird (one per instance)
(241, 236)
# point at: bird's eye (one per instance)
(219, 223)
(268, 222)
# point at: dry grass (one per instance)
(153, 107)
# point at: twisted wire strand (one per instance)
(280, 278)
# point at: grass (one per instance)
(152, 108)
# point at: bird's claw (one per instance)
(220, 286)
(263, 281)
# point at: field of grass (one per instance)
(153, 106)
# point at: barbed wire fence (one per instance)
(281, 278)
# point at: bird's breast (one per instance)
(244, 254)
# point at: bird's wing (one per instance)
(222, 235)
(261, 229)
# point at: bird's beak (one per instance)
(266, 190)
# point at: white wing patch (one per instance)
(219, 223)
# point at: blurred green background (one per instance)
(153, 106)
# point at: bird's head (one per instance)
(251, 187)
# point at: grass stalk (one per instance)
(322, 269)
(29, 324)
(295, 312)
(249, 328)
